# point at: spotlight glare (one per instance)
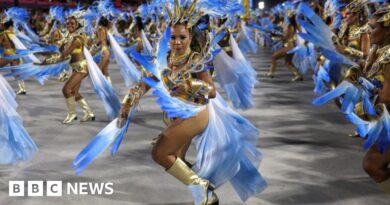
(261, 5)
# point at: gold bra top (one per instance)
(9, 51)
(184, 74)
(193, 98)
(77, 35)
(353, 39)
(77, 50)
(376, 72)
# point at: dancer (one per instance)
(75, 42)
(9, 48)
(225, 140)
(290, 28)
(377, 70)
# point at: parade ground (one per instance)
(308, 157)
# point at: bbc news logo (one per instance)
(56, 188)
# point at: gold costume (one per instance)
(375, 70)
(8, 35)
(80, 66)
(351, 38)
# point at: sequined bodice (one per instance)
(176, 74)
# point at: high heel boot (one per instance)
(187, 176)
(70, 104)
(294, 70)
(271, 73)
(22, 88)
(88, 114)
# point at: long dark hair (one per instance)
(138, 23)
(8, 24)
(104, 22)
(293, 21)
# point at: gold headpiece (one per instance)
(79, 16)
(357, 6)
(190, 16)
(290, 13)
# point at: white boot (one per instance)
(88, 114)
(22, 88)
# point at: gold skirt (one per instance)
(80, 66)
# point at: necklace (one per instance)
(177, 60)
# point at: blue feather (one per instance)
(150, 82)
(162, 50)
(129, 72)
(362, 126)
(218, 38)
(145, 63)
(97, 146)
(122, 133)
(337, 92)
(336, 57)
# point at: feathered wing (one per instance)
(226, 151)
(345, 88)
(129, 71)
(375, 132)
(15, 142)
(246, 43)
(146, 44)
(102, 87)
(19, 45)
(38, 71)
(97, 146)
(318, 33)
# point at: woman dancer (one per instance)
(290, 28)
(225, 140)
(377, 70)
(75, 42)
(103, 45)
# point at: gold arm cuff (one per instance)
(133, 96)
(354, 52)
(201, 87)
(52, 59)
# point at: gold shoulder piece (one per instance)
(343, 29)
(384, 55)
